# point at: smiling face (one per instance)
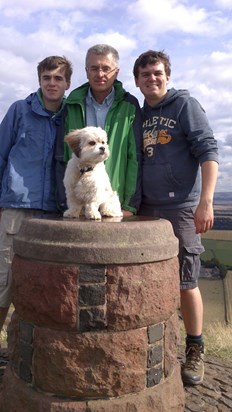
(152, 81)
(53, 86)
(101, 72)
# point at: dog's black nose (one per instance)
(102, 149)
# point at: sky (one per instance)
(197, 35)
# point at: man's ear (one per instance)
(136, 82)
(86, 70)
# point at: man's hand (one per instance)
(204, 217)
(127, 213)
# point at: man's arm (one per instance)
(204, 215)
(134, 161)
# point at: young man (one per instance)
(27, 172)
(103, 102)
(178, 144)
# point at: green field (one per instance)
(219, 249)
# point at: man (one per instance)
(178, 143)
(103, 102)
(27, 172)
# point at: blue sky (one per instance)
(197, 36)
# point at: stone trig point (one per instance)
(95, 327)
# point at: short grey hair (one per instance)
(104, 50)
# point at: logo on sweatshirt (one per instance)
(157, 130)
(154, 137)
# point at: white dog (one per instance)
(86, 182)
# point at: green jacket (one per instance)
(123, 126)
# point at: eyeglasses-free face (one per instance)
(152, 81)
(53, 86)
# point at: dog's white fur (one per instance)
(86, 181)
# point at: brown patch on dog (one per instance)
(74, 142)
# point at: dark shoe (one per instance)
(4, 358)
(193, 369)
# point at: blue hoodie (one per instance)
(27, 173)
(177, 139)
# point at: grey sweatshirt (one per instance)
(177, 139)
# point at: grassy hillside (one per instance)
(217, 234)
(223, 211)
(228, 296)
(220, 197)
(218, 249)
(218, 244)
(213, 298)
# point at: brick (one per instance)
(226, 402)
(92, 295)
(92, 319)
(154, 376)
(26, 331)
(45, 293)
(26, 352)
(25, 372)
(90, 365)
(155, 332)
(155, 356)
(92, 274)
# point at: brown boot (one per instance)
(193, 369)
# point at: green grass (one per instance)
(219, 249)
(217, 339)
(3, 336)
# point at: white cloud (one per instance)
(196, 35)
(115, 39)
(166, 16)
(176, 16)
(17, 9)
(225, 4)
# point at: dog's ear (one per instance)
(74, 142)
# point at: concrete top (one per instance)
(135, 239)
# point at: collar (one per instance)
(86, 169)
(107, 101)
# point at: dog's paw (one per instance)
(112, 213)
(92, 211)
(112, 207)
(71, 213)
(93, 215)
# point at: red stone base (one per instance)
(95, 326)
(21, 398)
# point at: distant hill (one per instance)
(223, 211)
(222, 196)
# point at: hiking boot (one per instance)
(193, 369)
(4, 358)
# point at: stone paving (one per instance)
(213, 395)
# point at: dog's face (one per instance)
(89, 144)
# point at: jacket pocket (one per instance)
(11, 220)
(190, 263)
(160, 183)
